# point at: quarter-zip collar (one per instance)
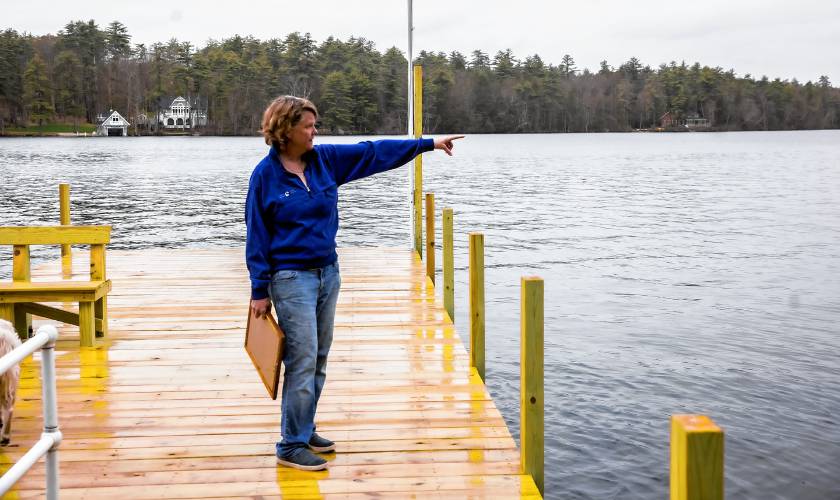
(307, 157)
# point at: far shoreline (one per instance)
(82, 135)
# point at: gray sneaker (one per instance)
(302, 459)
(319, 444)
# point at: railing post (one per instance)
(50, 403)
(531, 407)
(448, 265)
(64, 205)
(418, 161)
(430, 236)
(696, 458)
(477, 302)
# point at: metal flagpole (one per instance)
(410, 129)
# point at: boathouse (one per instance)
(113, 125)
(182, 114)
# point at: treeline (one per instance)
(84, 70)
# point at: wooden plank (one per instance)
(55, 235)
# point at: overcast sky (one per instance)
(778, 38)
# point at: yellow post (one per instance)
(64, 205)
(87, 324)
(696, 458)
(418, 161)
(97, 273)
(531, 408)
(430, 236)
(477, 302)
(21, 272)
(448, 265)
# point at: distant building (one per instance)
(667, 120)
(694, 121)
(112, 125)
(670, 120)
(182, 114)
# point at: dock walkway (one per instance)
(169, 405)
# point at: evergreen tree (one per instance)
(67, 75)
(37, 94)
(336, 103)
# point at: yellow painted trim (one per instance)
(55, 235)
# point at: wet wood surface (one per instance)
(168, 405)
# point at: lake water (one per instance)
(684, 273)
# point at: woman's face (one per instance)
(303, 134)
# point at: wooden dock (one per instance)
(169, 406)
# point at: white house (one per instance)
(182, 115)
(113, 125)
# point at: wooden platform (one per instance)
(169, 405)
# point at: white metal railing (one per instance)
(51, 437)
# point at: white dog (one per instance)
(8, 381)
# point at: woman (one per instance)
(292, 219)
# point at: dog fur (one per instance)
(8, 381)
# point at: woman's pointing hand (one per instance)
(445, 143)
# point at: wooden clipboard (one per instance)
(264, 343)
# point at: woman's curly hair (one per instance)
(281, 115)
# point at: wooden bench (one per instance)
(21, 298)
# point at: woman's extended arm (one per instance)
(355, 161)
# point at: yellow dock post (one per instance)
(696, 458)
(477, 302)
(430, 236)
(448, 265)
(97, 273)
(21, 273)
(531, 407)
(64, 207)
(418, 161)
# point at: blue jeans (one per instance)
(304, 301)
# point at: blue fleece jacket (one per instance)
(291, 226)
